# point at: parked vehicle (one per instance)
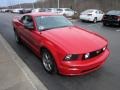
(27, 10)
(3, 10)
(63, 47)
(112, 18)
(44, 10)
(36, 10)
(93, 15)
(66, 11)
(53, 10)
(18, 11)
(7, 10)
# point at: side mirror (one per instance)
(29, 26)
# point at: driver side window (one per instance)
(27, 20)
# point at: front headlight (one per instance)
(87, 55)
(71, 57)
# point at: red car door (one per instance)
(36, 40)
(30, 34)
(23, 31)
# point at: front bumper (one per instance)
(112, 22)
(83, 67)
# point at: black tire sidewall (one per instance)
(105, 24)
(54, 69)
(95, 20)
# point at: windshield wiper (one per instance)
(65, 26)
(47, 29)
(55, 27)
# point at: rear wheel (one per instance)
(105, 24)
(95, 20)
(48, 62)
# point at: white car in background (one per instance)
(40, 10)
(53, 10)
(93, 15)
(17, 10)
(3, 10)
(36, 10)
(66, 11)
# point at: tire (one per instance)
(48, 62)
(82, 20)
(65, 15)
(95, 20)
(105, 24)
(17, 38)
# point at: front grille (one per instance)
(93, 54)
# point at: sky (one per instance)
(13, 2)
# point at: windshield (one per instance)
(87, 11)
(59, 9)
(68, 9)
(50, 22)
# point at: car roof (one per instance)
(64, 8)
(41, 14)
(114, 12)
(92, 9)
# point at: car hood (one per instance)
(75, 40)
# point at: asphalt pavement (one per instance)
(107, 78)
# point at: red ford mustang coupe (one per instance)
(63, 47)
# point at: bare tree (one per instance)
(78, 5)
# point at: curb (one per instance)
(31, 77)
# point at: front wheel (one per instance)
(48, 62)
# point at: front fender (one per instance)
(57, 52)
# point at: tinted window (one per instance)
(27, 20)
(100, 12)
(59, 10)
(42, 10)
(49, 9)
(68, 9)
(87, 11)
(97, 12)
